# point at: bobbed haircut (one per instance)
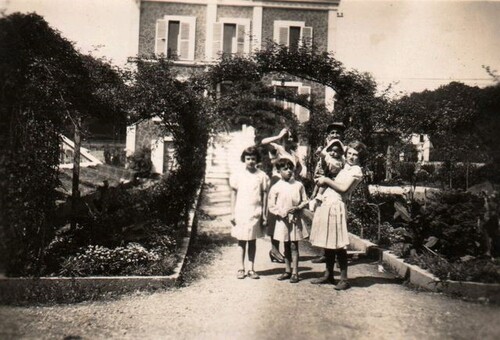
(250, 151)
(361, 149)
(284, 162)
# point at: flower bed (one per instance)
(444, 234)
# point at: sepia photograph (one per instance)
(249, 169)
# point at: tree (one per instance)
(45, 84)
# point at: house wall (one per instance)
(318, 20)
(152, 11)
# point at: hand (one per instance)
(321, 181)
(264, 222)
(292, 210)
(283, 132)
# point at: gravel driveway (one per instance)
(219, 306)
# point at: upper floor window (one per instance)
(292, 34)
(231, 36)
(175, 37)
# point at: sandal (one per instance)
(241, 274)
(284, 276)
(253, 275)
(294, 278)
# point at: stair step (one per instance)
(218, 200)
(217, 181)
(217, 211)
(217, 175)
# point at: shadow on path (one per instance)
(367, 281)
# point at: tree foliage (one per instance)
(45, 84)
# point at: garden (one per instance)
(49, 89)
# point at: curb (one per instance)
(425, 280)
(76, 289)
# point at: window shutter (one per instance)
(161, 37)
(240, 39)
(303, 113)
(307, 34)
(283, 36)
(217, 40)
(184, 41)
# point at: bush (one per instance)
(133, 259)
(140, 161)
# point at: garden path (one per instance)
(219, 306)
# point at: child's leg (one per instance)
(288, 256)
(251, 252)
(321, 190)
(342, 258)
(242, 247)
(315, 191)
(294, 246)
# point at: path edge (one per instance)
(422, 279)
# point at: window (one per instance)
(292, 34)
(231, 36)
(175, 37)
(301, 112)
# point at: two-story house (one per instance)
(196, 32)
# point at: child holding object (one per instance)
(286, 200)
(248, 204)
(332, 157)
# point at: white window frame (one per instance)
(191, 21)
(280, 24)
(297, 109)
(218, 28)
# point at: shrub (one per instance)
(140, 161)
(133, 259)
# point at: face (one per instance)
(250, 162)
(352, 157)
(286, 173)
(334, 134)
(335, 152)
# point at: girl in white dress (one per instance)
(248, 204)
(286, 198)
(329, 226)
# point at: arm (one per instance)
(338, 186)
(273, 208)
(233, 204)
(264, 197)
(271, 139)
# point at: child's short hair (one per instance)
(284, 162)
(250, 151)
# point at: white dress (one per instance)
(329, 225)
(283, 196)
(248, 206)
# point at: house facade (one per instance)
(196, 32)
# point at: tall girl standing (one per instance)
(248, 204)
(329, 226)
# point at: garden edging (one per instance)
(61, 289)
(425, 280)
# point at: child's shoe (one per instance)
(253, 275)
(241, 274)
(342, 285)
(284, 276)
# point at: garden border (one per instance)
(75, 289)
(425, 280)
